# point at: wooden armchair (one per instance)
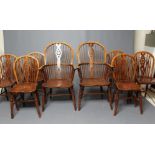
(26, 69)
(58, 71)
(124, 75)
(145, 68)
(92, 69)
(7, 78)
(112, 54)
(41, 59)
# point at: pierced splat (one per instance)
(91, 59)
(145, 63)
(58, 53)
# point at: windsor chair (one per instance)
(124, 75)
(112, 54)
(58, 71)
(92, 69)
(145, 68)
(7, 79)
(41, 59)
(26, 69)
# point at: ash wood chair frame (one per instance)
(41, 59)
(93, 72)
(145, 68)
(124, 75)
(112, 54)
(61, 78)
(7, 79)
(26, 69)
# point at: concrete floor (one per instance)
(95, 110)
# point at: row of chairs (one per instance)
(116, 70)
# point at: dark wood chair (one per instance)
(145, 68)
(7, 79)
(41, 59)
(58, 71)
(93, 72)
(112, 54)
(26, 69)
(124, 75)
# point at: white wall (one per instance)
(139, 41)
(1, 42)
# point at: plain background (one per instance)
(20, 42)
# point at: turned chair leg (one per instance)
(140, 103)
(80, 97)
(70, 93)
(43, 98)
(73, 97)
(116, 99)
(50, 93)
(12, 102)
(37, 103)
(6, 92)
(110, 97)
(101, 90)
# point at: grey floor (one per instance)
(95, 110)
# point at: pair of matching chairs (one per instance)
(95, 68)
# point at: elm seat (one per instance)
(127, 86)
(57, 83)
(24, 88)
(94, 82)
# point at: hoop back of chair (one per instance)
(39, 56)
(58, 53)
(91, 55)
(112, 54)
(91, 52)
(26, 69)
(6, 67)
(53, 72)
(145, 64)
(124, 68)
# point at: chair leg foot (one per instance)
(140, 104)
(37, 104)
(116, 103)
(43, 98)
(80, 97)
(12, 105)
(73, 97)
(110, 98)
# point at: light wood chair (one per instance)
(26, 69)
